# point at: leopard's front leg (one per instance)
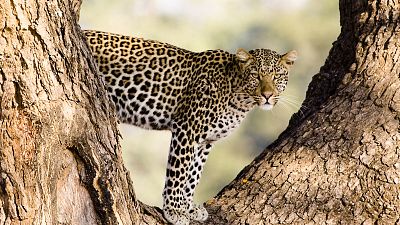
(181, 154)
(196, 211)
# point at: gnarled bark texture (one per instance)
(60, 161)
(340, 162)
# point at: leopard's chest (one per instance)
(223, 126)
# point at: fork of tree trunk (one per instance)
(338, 162)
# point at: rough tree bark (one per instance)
(60, 160)
(339, 163)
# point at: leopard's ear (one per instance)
(242, 55)
(244, 58)
(289, 58)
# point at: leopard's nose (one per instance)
(269, 97)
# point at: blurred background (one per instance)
(308, 26)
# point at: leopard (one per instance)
(200, 97)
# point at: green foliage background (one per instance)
(309, 26)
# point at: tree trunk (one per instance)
(339, 161)
(60, 159)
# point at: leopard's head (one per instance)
(265, 74)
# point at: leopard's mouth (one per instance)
(271, 99)
(266, 98)
(268, 102)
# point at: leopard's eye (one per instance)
(255, 74)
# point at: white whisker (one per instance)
(290, 104)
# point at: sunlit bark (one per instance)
(60, 160)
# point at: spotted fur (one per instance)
(201, 97)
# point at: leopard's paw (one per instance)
(176, 217)
(198, 212)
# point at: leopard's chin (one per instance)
(267, 106)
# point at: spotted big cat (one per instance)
(200, 97)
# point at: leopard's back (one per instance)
(144, 78)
